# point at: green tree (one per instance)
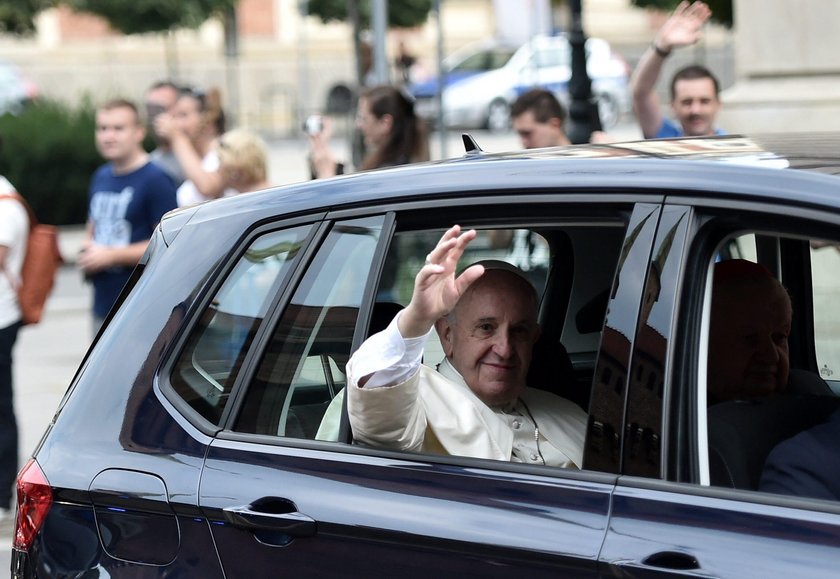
(721, 9)
(401, 13)
(18, 16)
(53, 170)
(138, 16)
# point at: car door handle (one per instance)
(675, 560)
(272, 514)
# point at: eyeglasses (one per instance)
(198, 93)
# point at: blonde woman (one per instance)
(243, 161)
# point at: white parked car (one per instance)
(16, 90)
(483, 79)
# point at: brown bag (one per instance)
(40, 264)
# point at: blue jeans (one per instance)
(8, 424)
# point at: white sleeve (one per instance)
(386, 357)
(6, 187)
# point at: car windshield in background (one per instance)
(490, 59)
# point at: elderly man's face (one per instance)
(748, 340)
(491, 335)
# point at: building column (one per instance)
(787, 67)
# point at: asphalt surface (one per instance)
(47, 355)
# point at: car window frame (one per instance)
(215, 280)
(714, 219)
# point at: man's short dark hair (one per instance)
(693, 72)
(121, 103)
(542, 103)
(164, 84)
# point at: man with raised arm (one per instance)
(476, 403)
(695, 91)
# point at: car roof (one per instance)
(731, 166)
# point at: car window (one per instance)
(566, 262)
(551, 56)
(302, 367)
(761, 395)
(297, 387)
(825, 266)
(209, 364)
(482, 61)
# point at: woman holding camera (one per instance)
(193, 130)
(392, 133)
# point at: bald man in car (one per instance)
(748, 334)
(476, 403)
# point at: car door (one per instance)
(279, 500)
(682, 506)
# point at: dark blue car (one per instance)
(190, 442)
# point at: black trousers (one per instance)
(8, 424)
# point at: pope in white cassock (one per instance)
(476, 403)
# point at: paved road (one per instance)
(48, 354)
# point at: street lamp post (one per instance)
(231, 32)
(379, 21)
(583, 110)
(441, 126)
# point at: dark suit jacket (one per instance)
(807, 465)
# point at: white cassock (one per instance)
(408, 406)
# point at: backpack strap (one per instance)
(33, 221)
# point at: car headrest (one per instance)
(381, 316)
(590, 317)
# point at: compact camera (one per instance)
(313, 125)
(153, 110)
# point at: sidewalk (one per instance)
(70, 239)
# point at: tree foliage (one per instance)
(18, 16)
(52, 171)
(401, 13)
(721, 9)
(138, 16)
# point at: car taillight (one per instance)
(34, 497)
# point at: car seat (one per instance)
(305, 420)
(551, 370)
